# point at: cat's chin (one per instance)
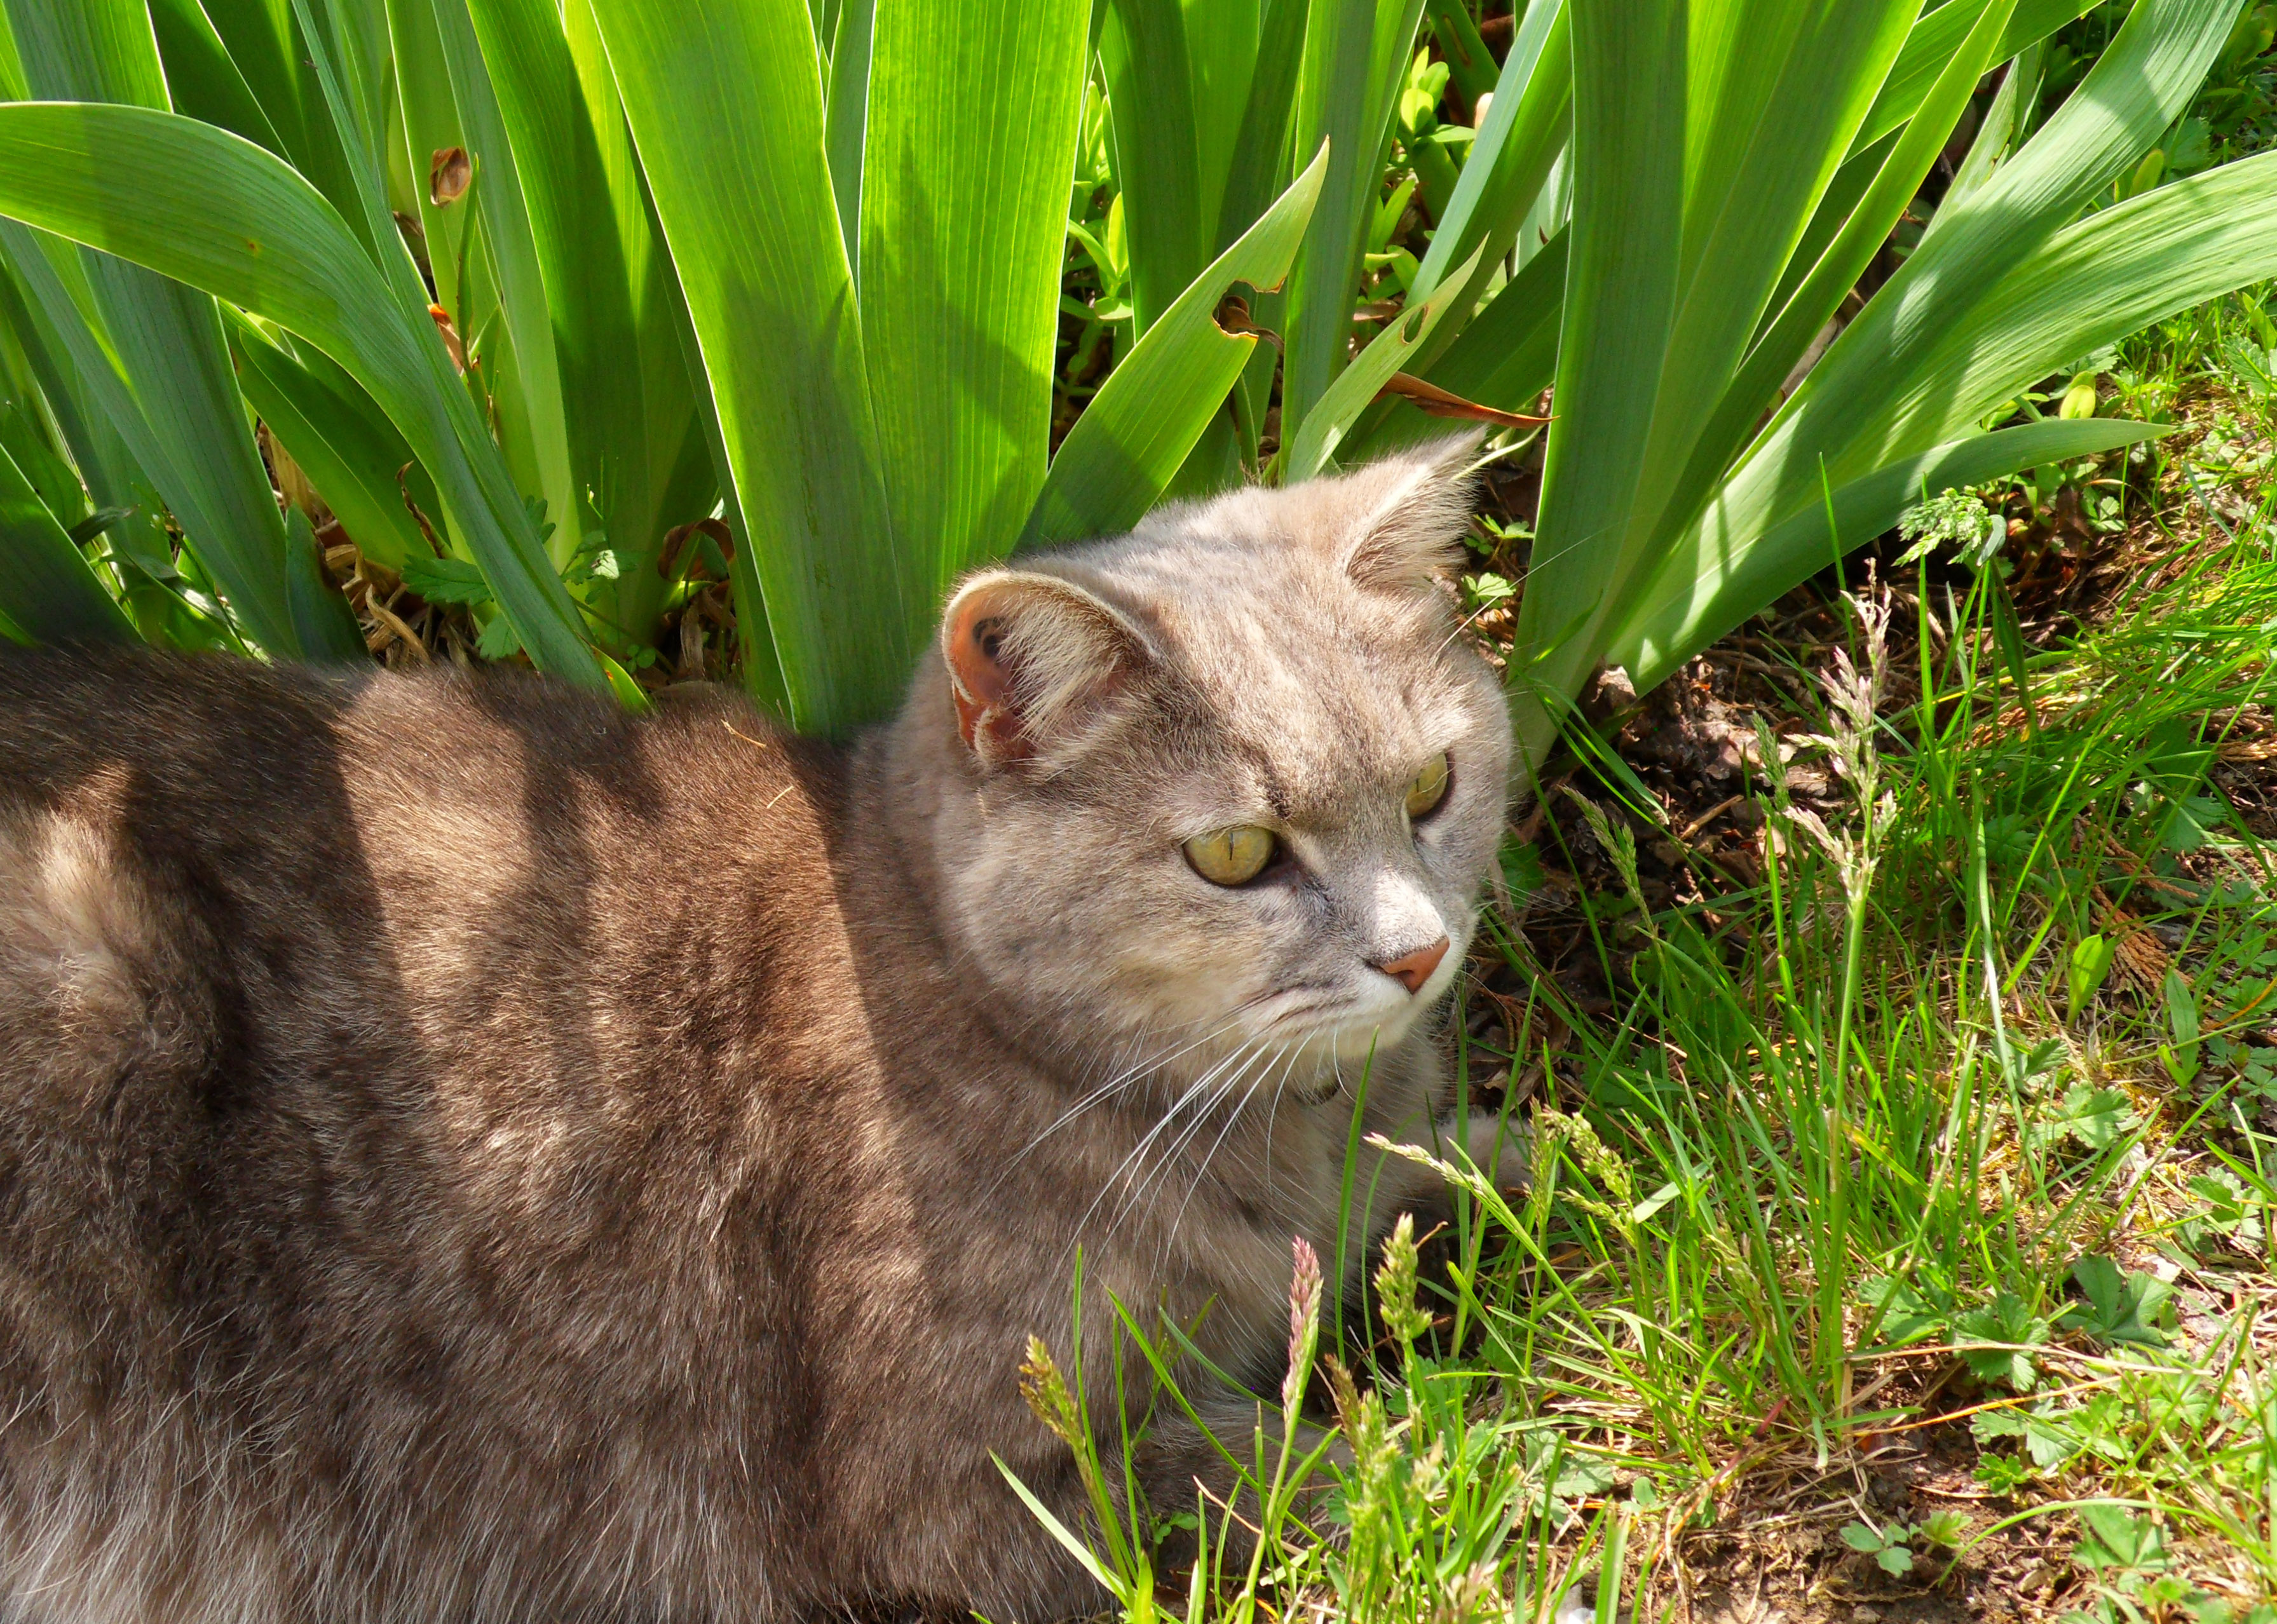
(1326, 1062)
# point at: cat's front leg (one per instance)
(1499, 1146)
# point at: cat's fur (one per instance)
(467, 1153)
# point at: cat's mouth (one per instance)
(1333, 1030)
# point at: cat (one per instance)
(468, 1152)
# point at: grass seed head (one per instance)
(1304, 1321)
(1046, 1390)
(1396, 1284)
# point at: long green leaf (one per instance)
(510, 234)
(1355, 57)
(1224, 41)
(1132, 439)
(357, 461)
(1529, 123)
(1621, 290)
(1931, 43)
(101, 458)
(761, 666)
(1356, 387)
(973, 106)
(1763, 82)
(203, 79)
(24, 434)
(1505, 357)
(2104, 278)
(1750, 194)
(1882, 392)
(1260, 166)
(725, 99)
(139, 346)
(626, 394)
(47, 590)
(1526, 124)
(1951, 336)
(2000, 132)
(152, 350)
(848, 117)
(264, 44)
(1754, 387)
(1736, 578)
(2092, 284)
(321, 616)
(1835, 210)
(428, 124)
(345, 44)
(196, 203)
(1158, 163)
(1257, 165)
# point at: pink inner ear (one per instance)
(980, 682)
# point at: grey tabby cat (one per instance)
(469, 1153)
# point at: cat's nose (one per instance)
(1413, 970)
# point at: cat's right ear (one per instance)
(1028, 654)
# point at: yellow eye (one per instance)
(1427, 788)
(1231, 856)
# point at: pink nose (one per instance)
(1413, 970)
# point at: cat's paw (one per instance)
(1502, 1148)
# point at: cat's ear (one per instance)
(1029, 654)
(1411, 512)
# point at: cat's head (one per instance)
(1232, 781)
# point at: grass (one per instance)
(1904, 1115)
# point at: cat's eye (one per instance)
(1231, 856)
(1427, 788)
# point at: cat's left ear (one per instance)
(1029, 656)
(1409, 514)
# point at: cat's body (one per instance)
(469, 1153)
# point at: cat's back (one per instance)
(379, 1059)
(229, 885)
